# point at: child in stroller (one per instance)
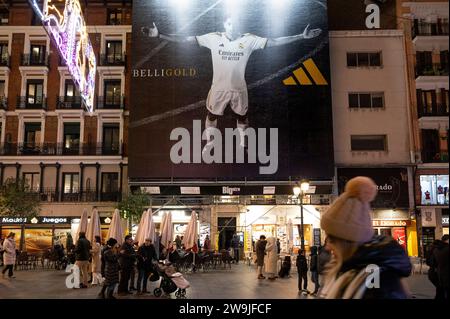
(285, 267)
(171, 281)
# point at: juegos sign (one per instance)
(230, 90)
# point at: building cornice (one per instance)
(366, 33)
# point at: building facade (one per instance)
(71, 159)
(425, 25)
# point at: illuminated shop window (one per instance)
(434, 189)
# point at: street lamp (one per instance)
(299, 192)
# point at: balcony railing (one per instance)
(113, 59)
(435, 69)
(56, 149)
(438, 110)
(4, 60)
(39, 102)
(90, 195)
(68, 102)
(31, 60)
(434, 156)
(3, 103)
(103, 103)
(429, 29)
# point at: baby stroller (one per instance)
(285, 267)
(171, 281)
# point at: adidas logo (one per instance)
(307, 74)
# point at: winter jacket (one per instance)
(235, 242)
(440, 262)
(96, 262)
(127, 256)
(82, 249)
(313, 263)
(302, 264)
(393, 263)
(111, 273)
(271, 256)
(260, 252)
(145, 256)
(9, 251)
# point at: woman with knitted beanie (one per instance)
(363, 266)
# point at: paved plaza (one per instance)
(239, 282)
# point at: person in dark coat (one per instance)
(82, 255)
(145, 256)
(432, 271)
(127, 258)
(302, 269)
(260, 248)
(313, 263)
(323, 259)
(440, 260)
(235, 241)
(110, 258)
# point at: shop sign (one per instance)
(428, 217)
(445, 221)
(269, 190)
(14, 220)
(391, 223)
(392, 185)
(190, 190)
(316, 232)
(231, 190)
(54, 220)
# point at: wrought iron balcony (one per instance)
(429, 29)
(32, 103)
(68, 103)
(32, 60)
(435, 69)
(434, 156)
(4, 60)
(3, 103)
(113, 59)
(118, 103)
(60, 149)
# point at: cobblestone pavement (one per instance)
(239, 282)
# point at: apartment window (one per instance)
(4, 55)
(363, 59)
(426, 101)
(110, 186)
(4, 16)
(368, 143)
(2, 95)
(31, 139)
(366, 100)
(111, 144)
(71, 138)
(112, 93)
(114, 16)
(71, 94)
(113, 51)
(32, 181)
(71, 183)
(35, 93)
(444, 60)
(37, 54)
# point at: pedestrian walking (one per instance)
(145, 256)
(313, 267)
(440, 261)
(96, 261)
(207, 244)
(432, 271)
(302, 269)
(235, 243)
(323, 259)
(178, 242)
(127, 257)
(356, 251)
(260, 248)
(9, 255)
(82, 255)
(271, 258)
(110, 257)
(133, 269)
(278, 246)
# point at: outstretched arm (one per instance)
(307, 34)
(153, 32)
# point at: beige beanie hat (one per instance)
(349, 216)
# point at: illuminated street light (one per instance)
(299, 192)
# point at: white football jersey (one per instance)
(230, 58)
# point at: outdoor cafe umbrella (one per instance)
(167, 231)
(191, 235)
(93, 228)
(115, 228)
(83, 225)
(146, 228)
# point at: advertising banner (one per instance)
(230, 90)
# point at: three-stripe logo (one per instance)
(307, 74)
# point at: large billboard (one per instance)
(230, 90)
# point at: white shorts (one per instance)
(218, 100)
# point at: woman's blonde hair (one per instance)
(342, 251)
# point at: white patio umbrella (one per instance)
(167, 231)
(146, 228)
(141, 227)
(83, 225)
(93, 228)
(290, 235)
(191, 235)
(115, 228)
